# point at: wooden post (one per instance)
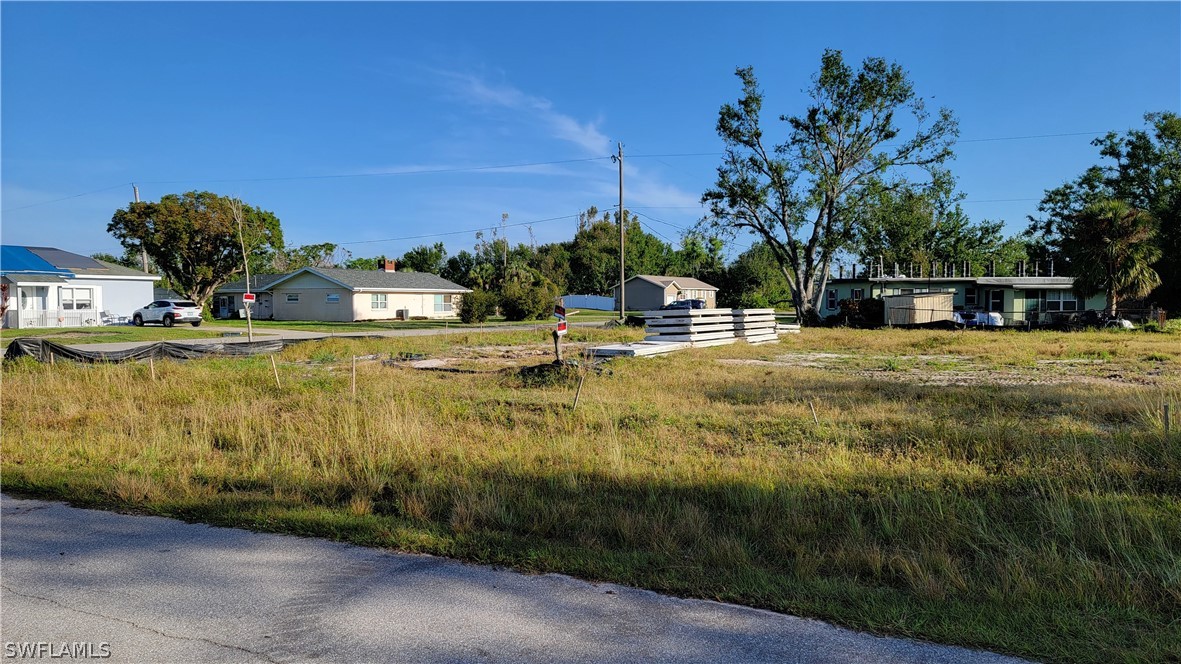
(578, 392)
(152, 367)
(814, 418)
(354, 377)
(276, 370)
(1167, 421)
(557, 347)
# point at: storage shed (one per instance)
(918, 308)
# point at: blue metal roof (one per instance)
(19, 260)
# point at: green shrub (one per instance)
(477, 306)
(528, 300)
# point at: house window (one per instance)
(332, 298)
(970, 297)
(293, 297)
(77, 298)
(831, 303)
(858, 293)
(443, 303)
(379, 301)
(1057, 300)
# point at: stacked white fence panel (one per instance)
(756, 326)
(638, 349)
(696, 326)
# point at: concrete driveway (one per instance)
(148, 589)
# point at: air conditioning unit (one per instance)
(403, 314)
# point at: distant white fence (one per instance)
(589, 302)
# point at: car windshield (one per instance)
(184, 303)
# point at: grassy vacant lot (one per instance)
(1011, 491)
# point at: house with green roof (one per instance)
(334, 294)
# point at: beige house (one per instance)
(645, 292)
(333, 294)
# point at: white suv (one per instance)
(168, 313)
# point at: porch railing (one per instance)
(15, 318)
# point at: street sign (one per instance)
(561, 327)
(559, 312)
(247, 297)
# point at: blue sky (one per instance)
(334, 115)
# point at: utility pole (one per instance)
(622, 234)
(143, 253)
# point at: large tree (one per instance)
(290, 259)
(906, 224)
(594, 252)
(1142, 167)
(193, 238)
(796, 196)
(1111, 248)
(424, 258)
(754, 280)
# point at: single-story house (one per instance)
(49, 287)
(334, 294)
(645, 292)
(1019, 300)
(227, 300)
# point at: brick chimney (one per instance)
(387, 265)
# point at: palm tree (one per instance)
(1111, 247)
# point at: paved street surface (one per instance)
(271, 333)
(159, 590)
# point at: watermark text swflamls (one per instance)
(56, 650)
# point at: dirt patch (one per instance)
(934, 370)
(488, 358)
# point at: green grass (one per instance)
(108, 334)
(1040, 520)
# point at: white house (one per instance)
(49, 287)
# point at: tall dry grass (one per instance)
(1038, 520)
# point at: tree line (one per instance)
(860, 175)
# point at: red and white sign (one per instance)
(247, 297)
(561, 327)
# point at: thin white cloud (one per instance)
(560, 125)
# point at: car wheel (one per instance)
(138, 320)
(197, 324)
(168, 320)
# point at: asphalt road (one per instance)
(148, 589)
(270, 333)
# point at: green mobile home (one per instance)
(1020, 300)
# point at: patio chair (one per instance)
(107, 318)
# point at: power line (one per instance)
(424, 171)
(660, 221)
(1022, 138)
(966, 140)
(656, 232)
(66, 198)
(474, 230)
(1000, 200)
